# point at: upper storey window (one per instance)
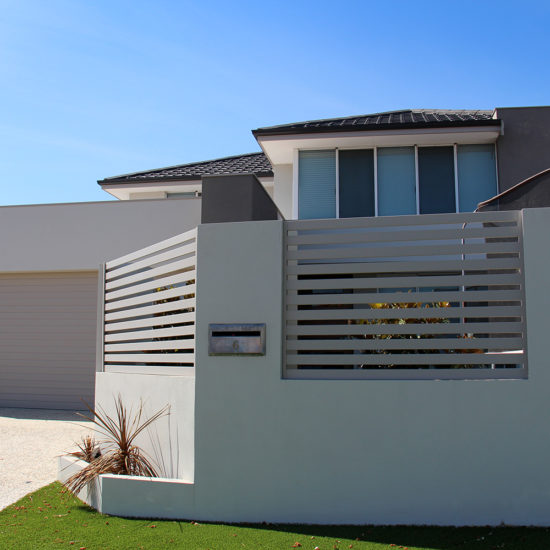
(394, 180)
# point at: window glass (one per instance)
(477, 179)
(436, 175)
(317, 184)
(396, 181)
(356, 183)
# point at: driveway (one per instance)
(30, 442)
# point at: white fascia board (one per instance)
(125, 191)
(279, 149)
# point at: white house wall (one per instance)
(80, 236)
(282, 189)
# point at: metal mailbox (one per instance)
(236, 339)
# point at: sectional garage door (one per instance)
(47, 339)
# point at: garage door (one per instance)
(47, 339)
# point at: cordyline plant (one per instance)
(88, 449)
(120, 454)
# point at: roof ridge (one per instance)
(175, 166)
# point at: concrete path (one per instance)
(30, 442)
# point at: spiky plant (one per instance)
(121, 456)
(88, 449)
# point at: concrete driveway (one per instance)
(30, 442)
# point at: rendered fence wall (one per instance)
(417, 296)
(149, 307)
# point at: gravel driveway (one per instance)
(30, 442)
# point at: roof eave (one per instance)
(261, 132)
(165, 179)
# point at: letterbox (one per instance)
(236, 339)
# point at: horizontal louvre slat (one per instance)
(401, 251)
(152, 321)
(149, 358)
(151, 310)
(406, 313)
(403, 267)
(406, 297)
(396, 373)
(149, 262)
(393, 236)
(402, 221)
(490, 327)
(407, 359)
(188, 343)
(163, 281)
(146, 274)
(152, 297)
(146, 334)
(400, 282)
(406, 344)
(167, 243)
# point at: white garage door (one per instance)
(47, 339)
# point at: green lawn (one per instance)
(51, 518)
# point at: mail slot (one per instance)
(236, 339)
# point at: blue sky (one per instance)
(91, 89)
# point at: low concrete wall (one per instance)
(80, 236)
(354, 451)
(170, 440)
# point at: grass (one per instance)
(52, 519)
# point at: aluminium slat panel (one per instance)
(403, 266)
(151, 262)
(188, 343)
(492, 344)
(151, 310)
(374, 359)
(147, 334)
(407, 297)
(367, 252)
(167, 243)
(151, 297)
(149, 357)
(359, 236)
(489, 327)
(395, 373)
(179, 278)
(351, 282)
(404, 221)
(146, 274)
(151, 322)
(405, 313)
(48, 333)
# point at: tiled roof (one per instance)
(410, 118)
(255, 163)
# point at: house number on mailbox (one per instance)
(236, 339)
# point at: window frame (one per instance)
(374, 149)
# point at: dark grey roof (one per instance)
(251, 163)
(409, 118)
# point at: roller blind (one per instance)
(396, 181)
(317, 184)
(477, 178)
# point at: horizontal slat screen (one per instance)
(429, 296)
(149, 309)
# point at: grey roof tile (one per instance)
(256, 163)
(408, 118)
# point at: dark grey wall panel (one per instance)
(235, 199)
(524, 148)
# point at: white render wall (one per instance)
(437, 452)
(80, 236)
(353, 451)
(170, 440)
(282, 189)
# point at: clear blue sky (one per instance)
(91, 89)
